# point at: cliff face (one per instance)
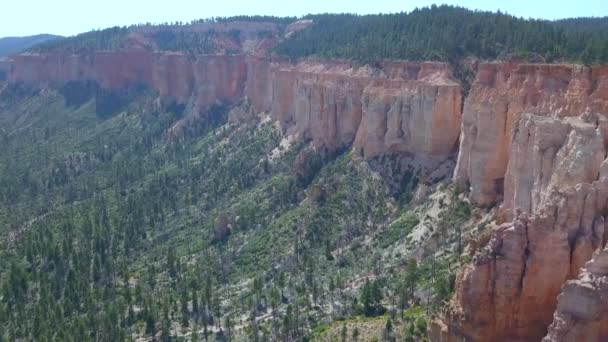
(172, 75)
(582, 305)
(5, 69)
(509, 290)
(532, 139)
(539, 133)
(415, 117)
(501, 93)
(548, 155)
(398, 107)
(401, 107)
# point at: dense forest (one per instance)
(106, 39)
(447, 33)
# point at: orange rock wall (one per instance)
(173, 75)
(398, 107)
(539, 132)
(501, 93)
(582, 310)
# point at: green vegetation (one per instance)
(88, 204)
(192, 41)
(12, 45)
(410, 326)
(399, 229)
(174, 36)
(108, 231)
(440, 33)
(447, 33)
(96, 40)
(457, 213)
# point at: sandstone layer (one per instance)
(396, 107)
(501, 93)
(535, 137)
(582, 309)
(509, 291)
(399, 107)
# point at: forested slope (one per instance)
(11, 45)
(447, 33)
(110, 232)
(442, 33)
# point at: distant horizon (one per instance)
(71, 17)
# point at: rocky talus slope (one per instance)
(532, 141)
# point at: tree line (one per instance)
(441, 33)
(449, 33)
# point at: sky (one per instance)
(69, 17)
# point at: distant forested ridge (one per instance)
(11, 45)
(197, 36)
(447, 33)
(106, 39)
(441, 33)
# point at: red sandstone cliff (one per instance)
(501, 93)
(582, 309)
(539, 133)
(174, 75)
(401, 107)
(398, 107)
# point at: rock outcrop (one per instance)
(177, 76)
(501, 93)
(399, 107)
(413, 117)
(396, 107)
(547, 148)
(5, 69)
(509, 291)
(582, 309)
(548, 154)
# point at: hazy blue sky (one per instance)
(68, 17)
